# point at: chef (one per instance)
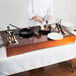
(40, 11)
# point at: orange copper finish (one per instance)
(36, 46)
(35, 43)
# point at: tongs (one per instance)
(59, 27)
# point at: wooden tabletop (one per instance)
(35, 43)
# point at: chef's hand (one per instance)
(38, 19)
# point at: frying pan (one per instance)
(25, 32)
(45, 31)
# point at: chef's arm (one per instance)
(32, 15)
(30, 10)
(50, 11)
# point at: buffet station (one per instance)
(19, 41)
(36, 47)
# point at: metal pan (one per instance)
(24, 33)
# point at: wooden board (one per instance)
(36, 46)
(35, 43)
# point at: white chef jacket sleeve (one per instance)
(50, 9)
(30, 9)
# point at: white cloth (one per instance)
(69, 25)
(3, 52)
(41, 8)
(2, 49)
(73, 32)
(36, 59)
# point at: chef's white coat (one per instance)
(42, 8)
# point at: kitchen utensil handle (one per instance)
(61, 29)
(15, 26)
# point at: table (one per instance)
(42, 57)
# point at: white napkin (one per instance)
(1, 41)
(69, 25)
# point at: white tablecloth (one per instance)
(35, 59)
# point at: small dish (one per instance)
(44, 31)
(55, 36)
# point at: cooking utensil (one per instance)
(59, 27)
(24, 33)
